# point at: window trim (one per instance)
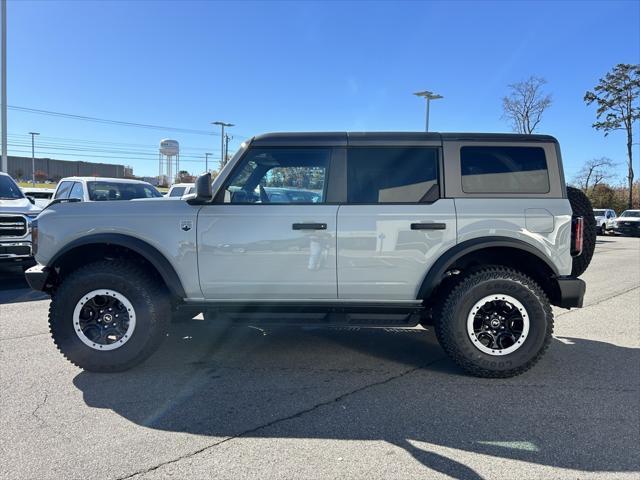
(522, 192)
(219, 196)
(438, 164)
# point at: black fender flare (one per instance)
(437, 271)
(142, 248)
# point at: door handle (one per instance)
(309, 226)
(428, 226)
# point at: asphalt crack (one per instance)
(38, 407)
(299, 414)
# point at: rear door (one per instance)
(252, 248)
(395, 223)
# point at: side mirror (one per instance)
(203, 190)
(31, 199)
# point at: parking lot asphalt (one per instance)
(329, 403)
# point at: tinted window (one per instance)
(100, 191)
(39, 195)
(387, 175)
(8, 189)
(76, 191)
(63, 190)
(280, 175)
(504, 170)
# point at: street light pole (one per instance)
(206, 162)
(226, 147)
(428, 97)
(222, 125)
(33, 158)
(4, 164)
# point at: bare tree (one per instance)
(525, 104)
(617, 97)
(594, 172)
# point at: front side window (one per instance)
(177, 192)
(102, 191)
(392, 174)
(504, 170)
(76, 191)
(63, 190)
(8, 189)
(280, 175)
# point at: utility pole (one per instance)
(4, 164)
(33, 158)
(206, 162)
(428, 96)
(222, 125)
(226, 147)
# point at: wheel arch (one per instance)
(102, 245)
(505, 251)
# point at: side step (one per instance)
(378, 315)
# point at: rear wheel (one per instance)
(109, 316)
(581, 207)
(496, 322)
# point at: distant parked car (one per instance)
(42, 196)
(628, 223)
(16, 214)
(177, 190)
(605, 218)
(96, 189)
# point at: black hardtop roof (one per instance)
(344, 138)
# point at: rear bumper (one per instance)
(37, 277)
(571, 292)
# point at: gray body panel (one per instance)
(367, 252)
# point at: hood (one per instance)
(628, 219)
(18, 205)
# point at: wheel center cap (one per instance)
(107, 318)
(495, 323)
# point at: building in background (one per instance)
(51, 169)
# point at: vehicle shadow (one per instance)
(577, 409)
(14, 287)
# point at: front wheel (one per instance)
(496, 323)
(109, 316)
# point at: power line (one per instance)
(109, 122)
(40, 153)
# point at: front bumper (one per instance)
(15, 250)
(633, 229)
(37, 277)
(571, 292)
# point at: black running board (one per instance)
(378, 315)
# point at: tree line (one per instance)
(616, 97)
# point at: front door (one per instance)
(271, 236)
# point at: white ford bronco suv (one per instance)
(475, 234)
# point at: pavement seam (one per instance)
(23, 336)
(284, 419)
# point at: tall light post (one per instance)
(222, 125)
(4, 166)
(33, 157)
(428, 96)
(206, 162)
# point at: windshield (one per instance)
(598, 213)
(631, 213)
(8, 189)
(101, 191)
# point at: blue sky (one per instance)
(278, 66)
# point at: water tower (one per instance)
(169, 157)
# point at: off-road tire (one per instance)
(451, 322)
(581, 207)
(147, 295)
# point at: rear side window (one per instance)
(392, 174)
(504, 170)
(177, 192)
